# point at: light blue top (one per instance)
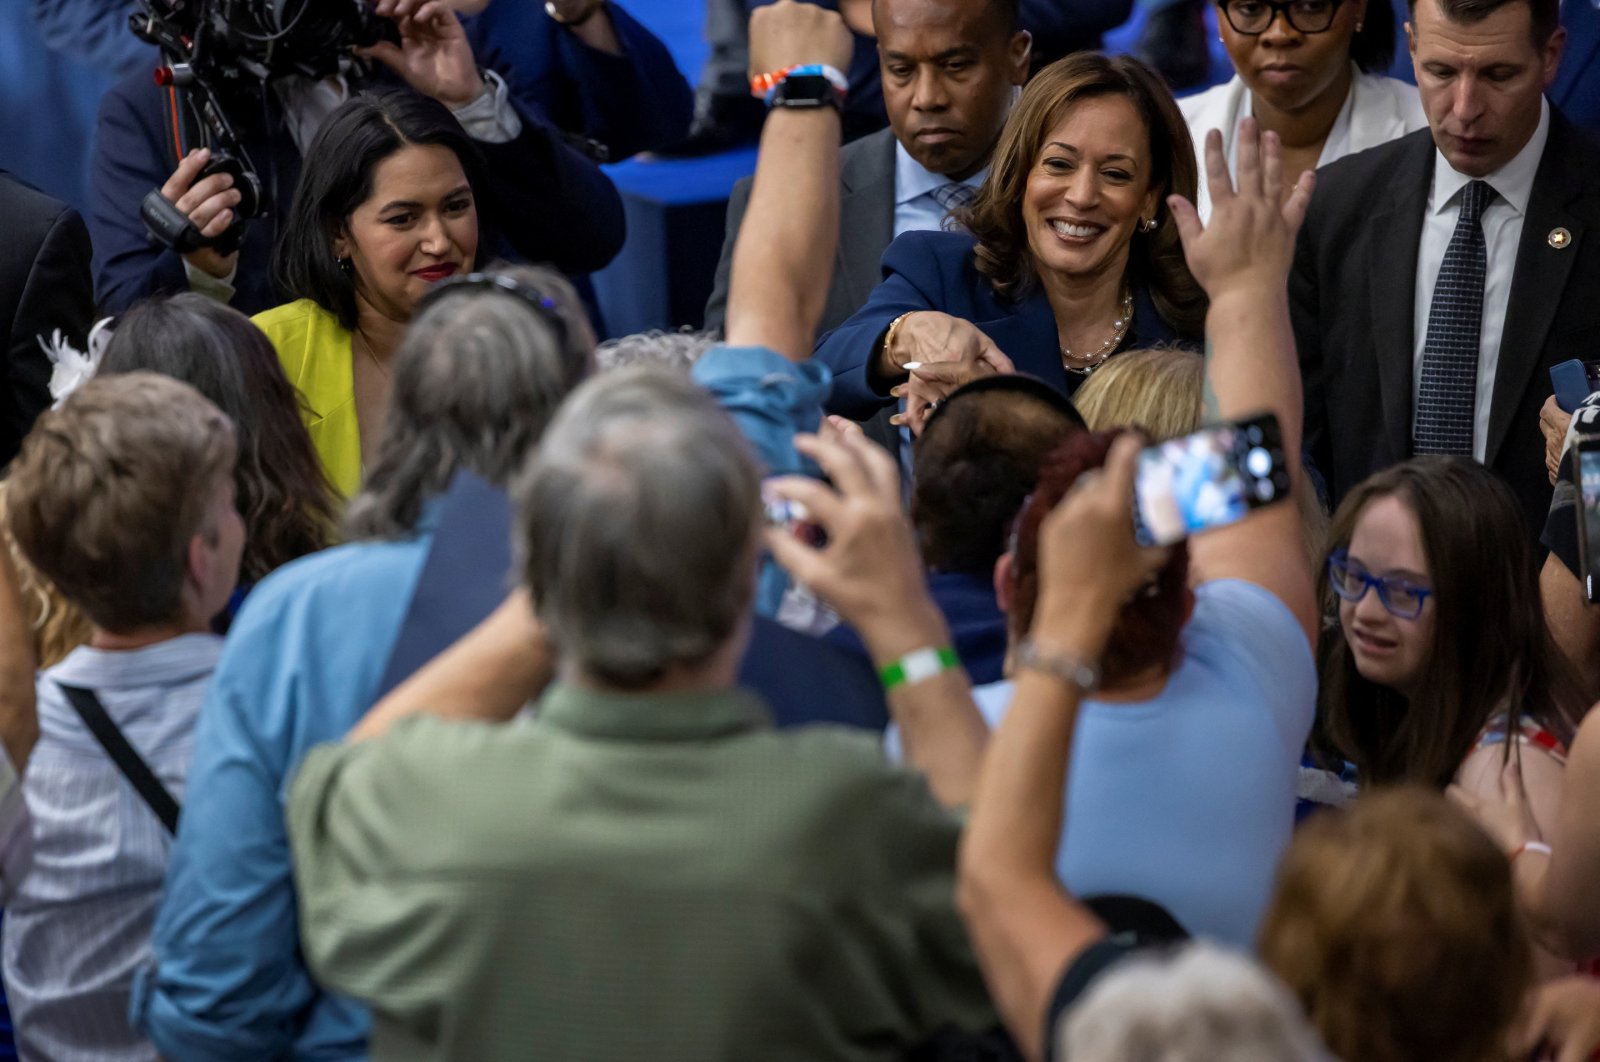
(302, 664)
(1187, 799)
(771, 398)
(84, 879)
(916, 208)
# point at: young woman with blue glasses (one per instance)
(1440, 648)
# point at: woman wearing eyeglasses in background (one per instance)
(1302, 71)
(1440, 649)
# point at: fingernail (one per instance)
(897, 420)
(908, 366)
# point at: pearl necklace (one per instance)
(1119, 330)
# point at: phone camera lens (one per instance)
(1266, 490)
(1255, 434)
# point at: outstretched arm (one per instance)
(784, 253)
(1027, 929)
(1242, 259)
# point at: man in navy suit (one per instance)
(1438, 277)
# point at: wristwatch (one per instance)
(805, 91)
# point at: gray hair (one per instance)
(1199, 1004)
(477, 378)
(670, 350)
(638, 521)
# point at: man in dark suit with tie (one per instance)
(45, 287)
(950, 69)
(1438, 277)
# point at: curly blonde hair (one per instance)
(57, 627)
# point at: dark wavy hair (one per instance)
(1156, 258)
(337, 178)
(288, 505)
(1490, 640)
(1149, 628)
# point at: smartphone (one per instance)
(1209, 479)
(1573, 381)
(1586, 470)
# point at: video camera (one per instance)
(222, 53)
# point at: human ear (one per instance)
(1003, 591)
(1021, 56)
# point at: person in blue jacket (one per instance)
(1069, 257)
(561, 208)
(587, 67)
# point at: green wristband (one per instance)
(917, 665)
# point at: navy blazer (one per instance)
(547, 201)
(633, 102)
(1576, 89)
(938, 271)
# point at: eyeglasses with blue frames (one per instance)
(1402, 597)
(1253, 17)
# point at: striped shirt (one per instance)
(81, 891)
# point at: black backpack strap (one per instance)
(128, 761)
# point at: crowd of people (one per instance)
(390, 670)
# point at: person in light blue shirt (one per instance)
(123, 500)
(304, 661)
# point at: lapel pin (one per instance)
(1559, 238)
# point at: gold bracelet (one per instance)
(573, 23)
(888, 335)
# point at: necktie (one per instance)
(1447, 398)
(955, 195)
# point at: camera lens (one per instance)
(1258, 462)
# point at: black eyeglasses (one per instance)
(1254, 17)
(1402, 597)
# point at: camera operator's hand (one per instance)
(209, 204)
(788, 34)
(433, 55)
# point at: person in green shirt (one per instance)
(648, 869)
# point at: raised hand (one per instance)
(433, 55)
(788, 34)
(1249, 242)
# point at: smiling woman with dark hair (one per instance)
(395, 197)
(1070, 254)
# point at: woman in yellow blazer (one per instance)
(386, 211)
(387, 205)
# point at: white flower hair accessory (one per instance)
(74, 366)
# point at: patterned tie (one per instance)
(1447, 399)
(955, 195)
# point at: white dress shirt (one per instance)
(915, 207)
(1502, 232)
(1376, 110)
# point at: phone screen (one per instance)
(1588, 474)
(1209, 479)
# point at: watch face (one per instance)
(806, 90)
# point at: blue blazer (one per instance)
(636, 101)
(937, 271)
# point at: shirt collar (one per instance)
(1513, 182)
(913, 181)
(692, 716)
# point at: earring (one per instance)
(1359, 26)
(346, 266)
(1148, 224)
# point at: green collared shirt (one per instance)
(632, 876)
